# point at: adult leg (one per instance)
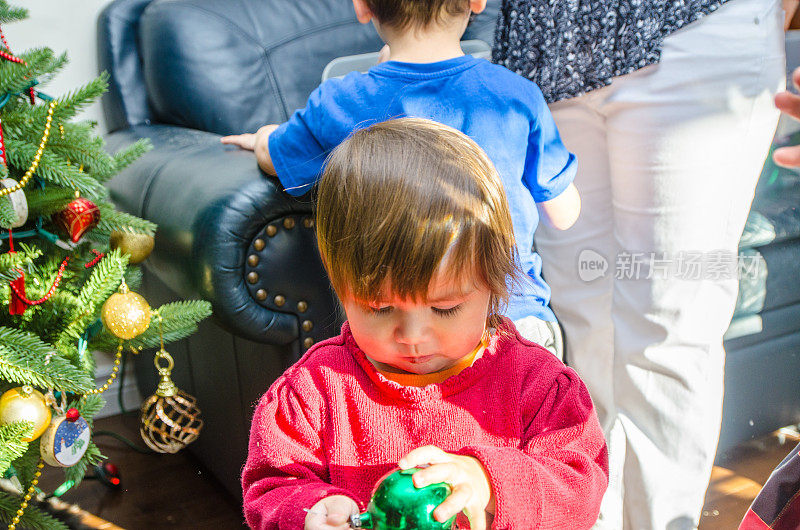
(578, 265)
(687, 138)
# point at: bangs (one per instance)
(400, 199)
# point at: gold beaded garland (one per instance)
(28, 496)
(25, 403)
(114, 371)
(28, 174)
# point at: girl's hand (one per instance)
(472, 492)
(331, 513)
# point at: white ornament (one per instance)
(18, 202)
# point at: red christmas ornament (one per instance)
(73, 415)
(78, 217)
(17, 305)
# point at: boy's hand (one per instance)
(245, 141)
(472, 492)
(331, 513)
(258, 142)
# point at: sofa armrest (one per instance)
(228, 234)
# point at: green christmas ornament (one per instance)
(397, 504)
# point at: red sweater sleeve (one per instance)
(557, 476)
(286, 469)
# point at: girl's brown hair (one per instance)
(398, 198)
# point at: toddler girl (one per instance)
(415, 232)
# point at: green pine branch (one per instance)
(47, 201)
(91, 457)
(11, 444)
(133, 277)
(76, 101)
(111, 219)
(126, 157)
(12, 13)
(104, 280)
(179, 320)
(52, 169)
(7, 214)
(32, 519)
(89, 405)
(25, 465)
(25, 359)
(40, 64)
(9, 263)
(82, 151)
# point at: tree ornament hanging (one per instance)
(399, 505)
(25, 403)
(126, 314)
(170, 418)
(137, 246)
(18, 202)
(65, 440)
(78, 217)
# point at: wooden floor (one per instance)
(174, 491)
(738, 476)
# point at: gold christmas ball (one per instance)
(24, 403)
(170, 423)
(137, 246)
(126, 314)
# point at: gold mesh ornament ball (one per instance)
(25, 403)
(126, 314)
(170, 418)
(136, 246)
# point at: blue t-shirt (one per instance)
(503, 112)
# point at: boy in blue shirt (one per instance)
(427, 75)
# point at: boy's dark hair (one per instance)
(403, 14)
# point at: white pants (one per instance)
(668, 160)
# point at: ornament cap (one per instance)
(166, 387)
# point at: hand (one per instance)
(472, 492)
(258, 142)
(245, 141)
(331, 513)
(250, 141)
(790, 104)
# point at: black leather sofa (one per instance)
(184, 72)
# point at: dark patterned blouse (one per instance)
(569, 47)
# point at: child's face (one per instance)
(417, 337)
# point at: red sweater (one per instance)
(331, 424)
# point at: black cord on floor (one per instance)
(122, 385)
(126, 441)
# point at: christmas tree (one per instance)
(66, 287)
